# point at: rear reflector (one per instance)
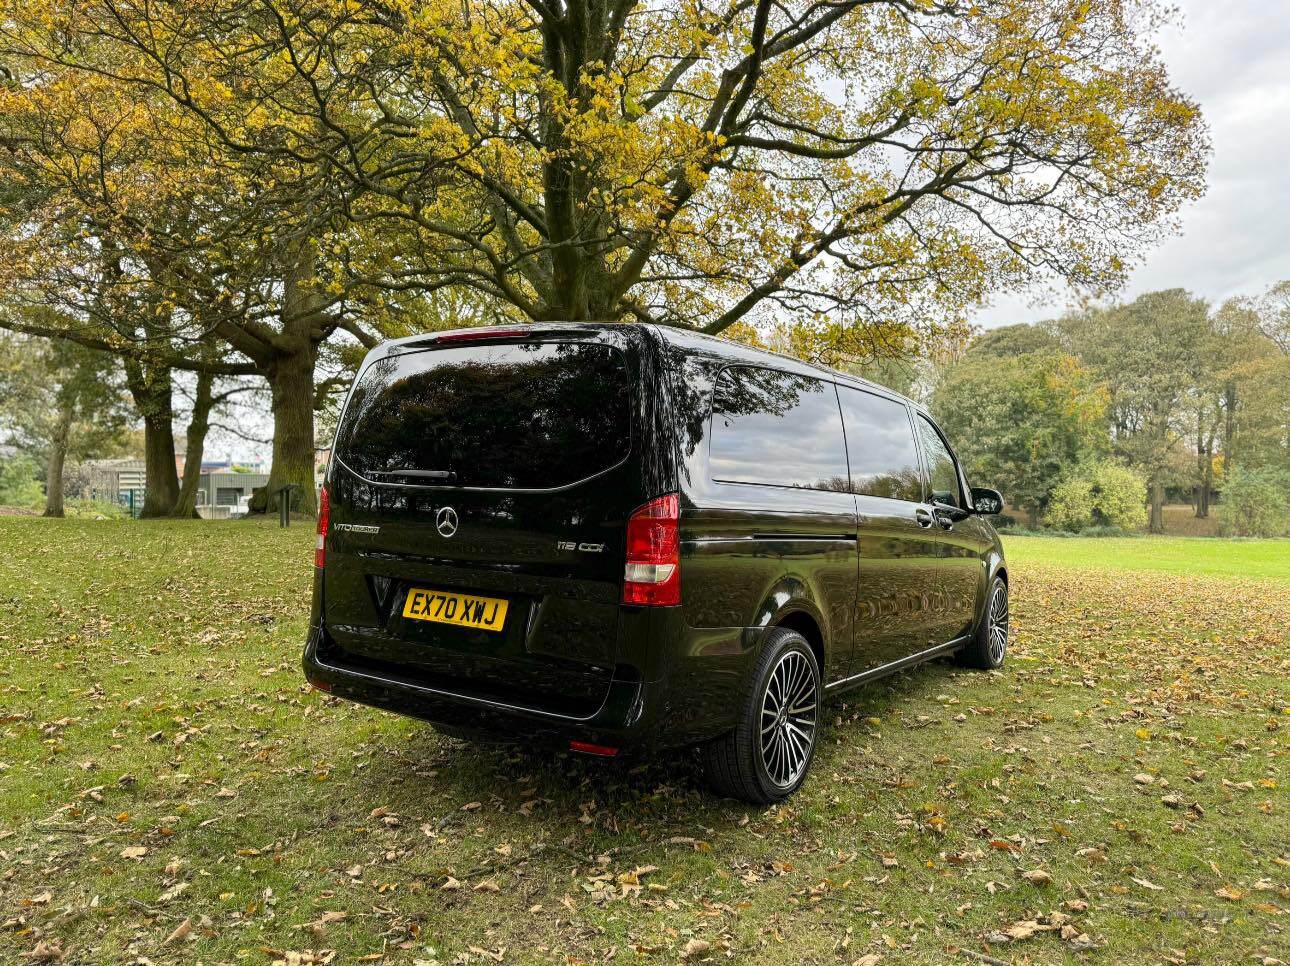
(324, 524)
(322, 686)
(652, 577)
(587, 748)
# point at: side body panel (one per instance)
(898, 583)
(753, 555)
(958, 546)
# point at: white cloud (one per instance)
(1233, 58)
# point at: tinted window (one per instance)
(880, 442)
(941, 471)
(774, 428)
(527, 416)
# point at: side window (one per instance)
(880, 442)
(776, 429)
(941, 469)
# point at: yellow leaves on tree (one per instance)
(835, 167)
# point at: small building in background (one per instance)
(116, 481)
(226, 487)
(123, 480)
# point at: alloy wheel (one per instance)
(998, 624)
(788, 719)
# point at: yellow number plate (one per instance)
(485, 613)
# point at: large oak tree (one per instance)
(834, 164)
(690, 162)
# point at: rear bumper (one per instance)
(633, 714)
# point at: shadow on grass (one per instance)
(462, 782)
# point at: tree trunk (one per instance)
(161, 486)
(198, 426)
(1229, 427)
(57, 458)
(152, 390)
(1206, 481)
(1157, 507)
(1202, 460)
(291, 384)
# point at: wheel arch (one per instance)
(804, 623)
(995, 566)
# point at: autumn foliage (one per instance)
(271, 174)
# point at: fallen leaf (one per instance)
(181, 932)
(695, 947)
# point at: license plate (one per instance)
(464, 610)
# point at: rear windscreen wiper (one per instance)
(441, 476)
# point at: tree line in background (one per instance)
(1093, 419)
(208, 193)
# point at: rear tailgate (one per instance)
(503, 470)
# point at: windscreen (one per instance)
(519, 416)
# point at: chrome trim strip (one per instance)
(774, 538)
(893, 666)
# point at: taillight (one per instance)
(653, 574)
(324, 524)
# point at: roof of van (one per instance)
(689, 339)
(686, 339)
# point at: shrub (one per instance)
(1071, 505)
(18, 485)
(1101, 494)
(95, 509)
(1120, 497)
(1255, 503)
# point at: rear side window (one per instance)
(776, 429)
(527, 416)
(942, 472)
(880, 443)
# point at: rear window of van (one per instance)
(509, 416)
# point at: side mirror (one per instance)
(986, 500)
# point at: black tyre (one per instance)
(766, 757)
(989, 646)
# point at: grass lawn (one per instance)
(170, 790)
(1173, 555)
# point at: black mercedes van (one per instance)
(616, 537)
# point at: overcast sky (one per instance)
(1234, 58)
